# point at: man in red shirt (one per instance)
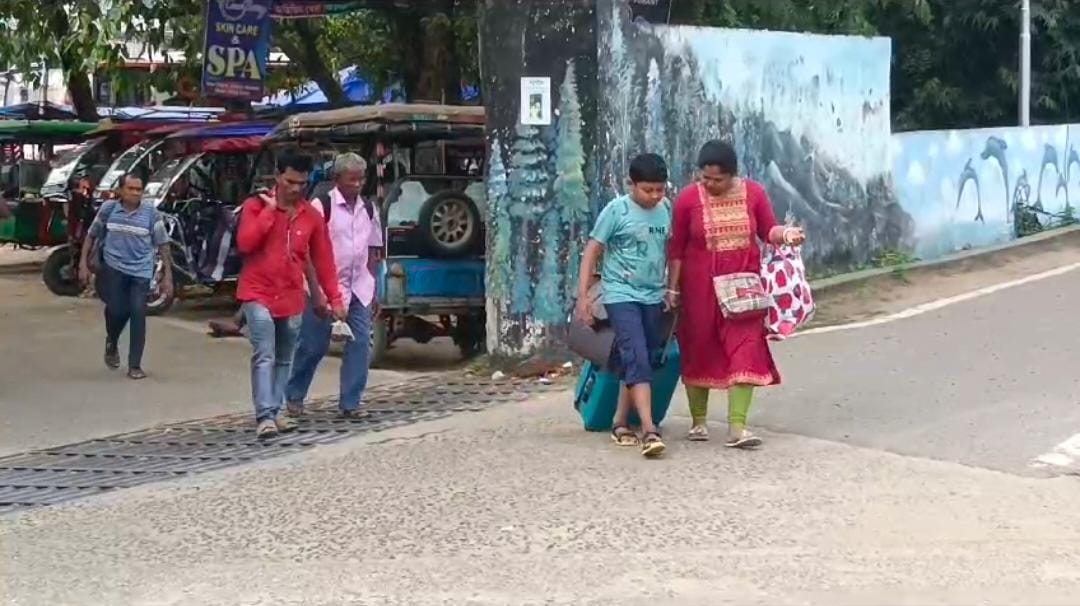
(277, 236)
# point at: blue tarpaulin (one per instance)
(357, 90)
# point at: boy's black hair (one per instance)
(648, 168)
(719, 154)
(294, 159)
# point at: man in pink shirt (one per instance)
(356, 238)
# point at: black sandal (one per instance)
(652, 445)
(355, 414)
(624, 436)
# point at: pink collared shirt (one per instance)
(352, 234)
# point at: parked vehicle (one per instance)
(426, 176)
(78, 182)
(198, 194)
(28, 149)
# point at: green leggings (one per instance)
(739, 399)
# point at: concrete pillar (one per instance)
(539, 175)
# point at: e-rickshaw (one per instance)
(74, 184)
(198, 193)
(27, 149)
(426, 167)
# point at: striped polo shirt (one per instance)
(131, 237)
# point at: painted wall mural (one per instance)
(965, 188)
(538, 193)
(808, 115)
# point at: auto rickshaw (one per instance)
(27, 149)
(75, 178)
(198, 193)
(426, 167)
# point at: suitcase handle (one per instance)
(670, 337)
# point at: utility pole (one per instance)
(1025, 62)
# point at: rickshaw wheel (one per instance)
(380, 341)
(469, 335)
(60, 274)
(156, 303)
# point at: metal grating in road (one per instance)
(64, 473)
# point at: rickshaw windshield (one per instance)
(158, 186)
(64, 165)
(123, 164)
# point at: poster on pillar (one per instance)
(536, 101)
(236, 49)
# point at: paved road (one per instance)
(54, 388)
(993, 382)
(896, 471)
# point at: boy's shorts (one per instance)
(639, 344)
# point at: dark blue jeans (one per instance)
(639, 344)
(125, 302)
(313, 345)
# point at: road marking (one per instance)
(940, 303)
(1066, 454)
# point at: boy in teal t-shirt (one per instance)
(631, 233)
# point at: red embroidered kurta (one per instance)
(714, 237)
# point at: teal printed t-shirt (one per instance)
(635, 250)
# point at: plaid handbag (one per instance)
(741, 295)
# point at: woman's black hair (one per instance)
(719, 154)
(294, 159)
(648, 168)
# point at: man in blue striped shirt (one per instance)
(130, 230)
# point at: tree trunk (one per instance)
(687, 11)
(78, 82)
(82, 96)
(302, 47)
(437, 56)
(452, 92)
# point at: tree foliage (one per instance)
(954, 61)
(81, 37)
(429, 47)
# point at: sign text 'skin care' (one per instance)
(237, 47)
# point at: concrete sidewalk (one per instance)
(516, 505)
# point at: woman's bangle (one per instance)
(672, 291)
(787, 230)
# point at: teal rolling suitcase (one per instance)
(597, 393)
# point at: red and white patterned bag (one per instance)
(791, 302)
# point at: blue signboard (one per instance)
(237, 47)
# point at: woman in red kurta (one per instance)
(716, 227)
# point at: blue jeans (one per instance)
(639, 344)
(125, 303)
(273, 341)
(315, 341)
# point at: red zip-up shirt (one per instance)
(276, 249)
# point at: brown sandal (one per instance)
(652, 445)
(624, 436)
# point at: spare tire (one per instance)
(450, 224)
